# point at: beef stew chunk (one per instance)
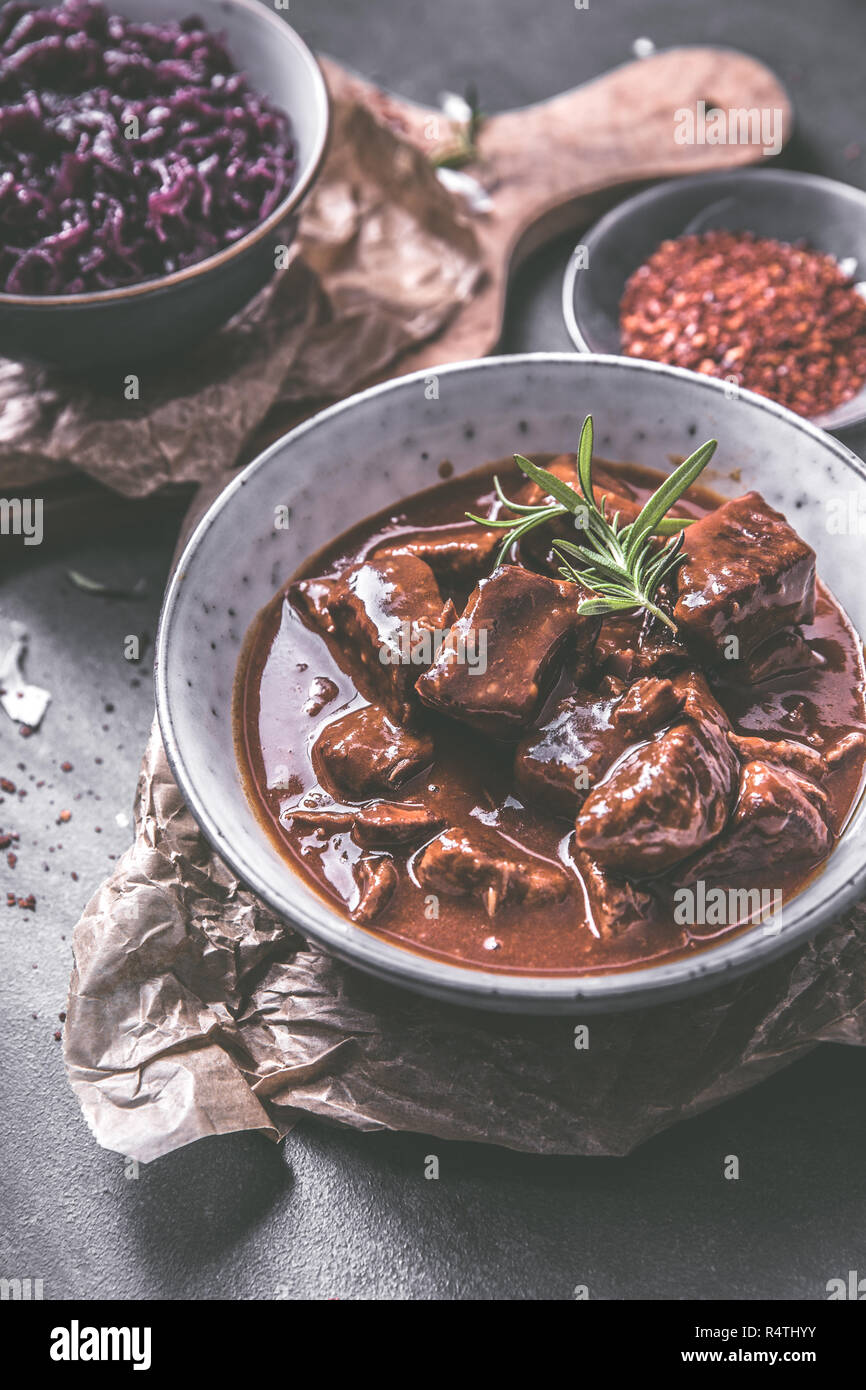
(387, 612)
(647, 705)
(747, 574)
(558, 764)
(780, 655)
(630, 646)
(388, 823)
(458, 555)
(311, 598)
(378, 825)
(780, 816)
(662, 802)
(500, 656)
(698, 701)
(365, 753)
(616, 903)
(320, 820)
(844, 749)
(476, 861)
(790, 753)
(376, 878)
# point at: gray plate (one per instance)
(777, 203)
(382, 445)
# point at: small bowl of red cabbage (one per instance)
(150, 167)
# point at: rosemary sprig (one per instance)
(618, 563)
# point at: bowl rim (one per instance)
(633, 206)
(443, 979)
(287, 34)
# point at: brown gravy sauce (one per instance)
(472, 775)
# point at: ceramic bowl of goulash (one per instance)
(537, 685)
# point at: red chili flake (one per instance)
(62, 1016)
(778, 319)
(5, 841)
(57, 1035)
(74, 875)
(25, 730)
(11, 859)
(29, 903)
(64, 817)
(66, 767)
(10, 899)
(7, 786)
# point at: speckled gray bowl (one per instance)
(380, 446)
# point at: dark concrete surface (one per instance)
(335, 1214)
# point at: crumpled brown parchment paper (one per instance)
(383, 258)
(193, 1011)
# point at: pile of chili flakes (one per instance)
(776, 318)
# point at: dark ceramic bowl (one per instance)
(777, 203)
(156, 317)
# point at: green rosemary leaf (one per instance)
(671, 525)
(506, 501)
(670, 492)
(551, 485)
(584, 462)
(620, 564)
(601, 563)
(486, 521)
(513, 536)
(593, 607)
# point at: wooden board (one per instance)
(548, 167)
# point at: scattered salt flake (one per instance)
(24, 703)
(122, 819)
(643, 48)
(95, 586)
(455, 107)
(466, 187)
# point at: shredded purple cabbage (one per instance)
(83, 205)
